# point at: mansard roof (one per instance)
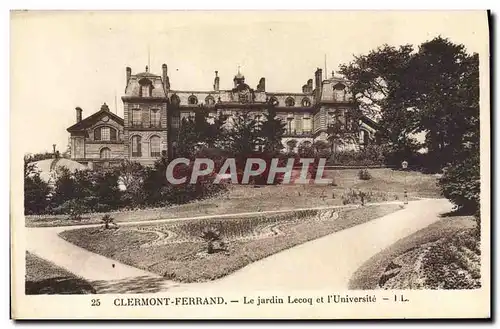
(89, 121)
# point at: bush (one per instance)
(368, 156)
(212, 237)
(107, 219)
(461, 183)
(364, 174)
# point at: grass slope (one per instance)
(436, 238)
(43, 277)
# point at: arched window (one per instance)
(306, 102)
(291, 144)
(105, 134)
(290, 101)
(105, 153)
(274, 101)
(209, 101)
(192, 100)
(154, 146)
(136, 146)
(154, 118)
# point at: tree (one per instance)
(244, 135)
(215, 133)
(382, 90)
(445, 95)
(272, 131)
(197, 131)
(36, 191)
(188, 139)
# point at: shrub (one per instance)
(211, 235)
(107, 219)
(368, 156)
(364, 174)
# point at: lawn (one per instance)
(385, 185)
(44, 278)
(176, 251)
(444, 255)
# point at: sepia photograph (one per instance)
(250, 164)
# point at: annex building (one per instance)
(153, 112)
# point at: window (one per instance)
(290, 124)
(155, 146)
(136, 146)
(209, 101)
(306, 123)
(105, 153)
(176, 121)
(155, 118)
(79, 148)
(289, 101)
(339, 92)
(192, 100)
(105, 134)
(145, 90)
(306, 102)
(136, 118)
(298, 126)
(274, 101)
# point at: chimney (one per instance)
(304, 88)
(78, 114)
(317, 75)
(165, 78)
(262, 85)
(128, 71)
(216, 81)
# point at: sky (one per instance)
(61, 60)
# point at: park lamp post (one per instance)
(404, 165)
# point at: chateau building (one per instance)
(153, 113)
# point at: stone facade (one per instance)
(153, 112)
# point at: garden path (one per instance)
(319, 264)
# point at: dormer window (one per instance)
(306, 102)
(192, 100)
(145, 91)
(209, 101)
(290, 102)
(274, 101)
(146, 87)
(339, 92)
